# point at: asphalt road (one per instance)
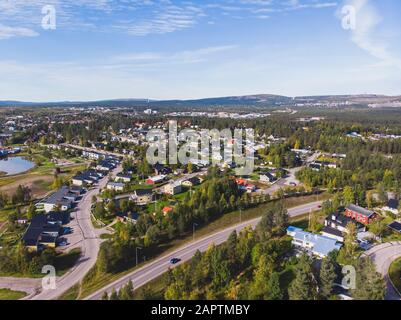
(383, 255)
(154, 269)
(90, 246)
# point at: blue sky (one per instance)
(166, 49)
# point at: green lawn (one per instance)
(7, 294)
(395, 273)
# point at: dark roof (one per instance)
(58, 196)
(194, 180)
(269, 175)
(360, 210)
(38, 220)
(393, 203)
(395, 226)
(332, 231)
(143, 192)
(51, 228)
(342, 220)
(63, 217)
(47, 239)
(32, 235)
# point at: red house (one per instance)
(360, 214)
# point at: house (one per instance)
(339, 221)
(116, 186)
(77, 190)
(244, 185)
(155, 179)
(41, 233)
(315, 244)
(317, 165)
(105, 165)
(173, 188)
(392, 206)
(332, 233)
(166, 210)
(62, 198)
(160, 169)
(335, 225)
(360, 214)
(191, 182)
(128, 217)
(82, 179)
(250, 188)
(58, 218)
(123, 177)
(267, 177)
(143, 196)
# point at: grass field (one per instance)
(7, 294)
(395, 274)
(39, 178)
(92, 283)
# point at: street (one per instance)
(90, 245)
(383, 255)
(154, 269)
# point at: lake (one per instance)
(15, 165)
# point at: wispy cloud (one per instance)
(7, 32)
(139, 17)
(368, 20)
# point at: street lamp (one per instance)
(193, 230)
(136, 254)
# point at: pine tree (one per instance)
(274, 291)
(114, 295)
(127, 291)
(327, 276)
(304, 286)
(369, 285)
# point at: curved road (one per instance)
(383, 255)
(89, 247)
(154, 269)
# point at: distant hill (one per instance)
(248, 100)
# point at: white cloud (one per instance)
(7, 32)
(368, 21)
(142, 17)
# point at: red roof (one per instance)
(166, 210)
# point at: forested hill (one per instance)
(247, 100)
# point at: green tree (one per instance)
(274, 291)
(327, 276)
(349, 196)
(304, 286)
(369, 285)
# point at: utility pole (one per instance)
(136, 254)
(240, 214)
(193, 230)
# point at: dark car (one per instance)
(175, 260)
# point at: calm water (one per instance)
(15, 165)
